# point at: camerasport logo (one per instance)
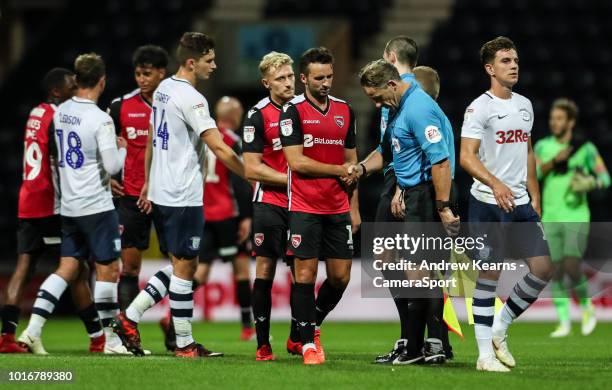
(258, 238)
(296, 240)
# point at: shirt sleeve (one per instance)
(113, 159)
(598, 166)
(291, 132)
(253, 133)
(349, 142)
(114, 110)
(474, 121)
(427, 130)
(197, 115)
(105, 135)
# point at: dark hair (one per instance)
(89, 69)
(567, 105)
(405, 48)
(152, 55)
(193, 45)
(55, 78)
(315, 55)
(489, 49)
(377, 74)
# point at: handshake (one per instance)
(351, 173)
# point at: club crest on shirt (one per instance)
(525, 115)
(432, 134)
(339, 120)
(248, 134)
(194, 243)
(286, 126)
(117, 243)
(258, 238)
(296, 240)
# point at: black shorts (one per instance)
(383, 211)
(180, 229)
(420, 202)
(93, 237)
(270, 230)
(35, 234)
(219, 240)
(323, 236)
(135, 225)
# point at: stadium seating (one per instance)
(364, 15)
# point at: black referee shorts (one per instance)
(420, 202)
(383, 211)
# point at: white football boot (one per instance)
(491, 364)
(563, 330)
(502, 352)
(33, 343)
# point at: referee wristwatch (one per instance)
(442, 204)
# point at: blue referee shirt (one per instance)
(421, 135)
(384, 147)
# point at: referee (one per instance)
(421, 139)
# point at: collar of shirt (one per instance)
(413, 86)
(176, 78)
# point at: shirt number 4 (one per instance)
(161, 129)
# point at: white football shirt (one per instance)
(82, 132)
(503, 127)
(180, 116)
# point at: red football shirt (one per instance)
(260, 135)
(325, 135)
(131, 116)
(38, 197)
(219, 200)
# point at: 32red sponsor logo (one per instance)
(511, 136)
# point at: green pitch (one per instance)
(542, 363)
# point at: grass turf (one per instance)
(542, 363)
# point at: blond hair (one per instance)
(273, 61)
(89, 69)
(429, 80)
